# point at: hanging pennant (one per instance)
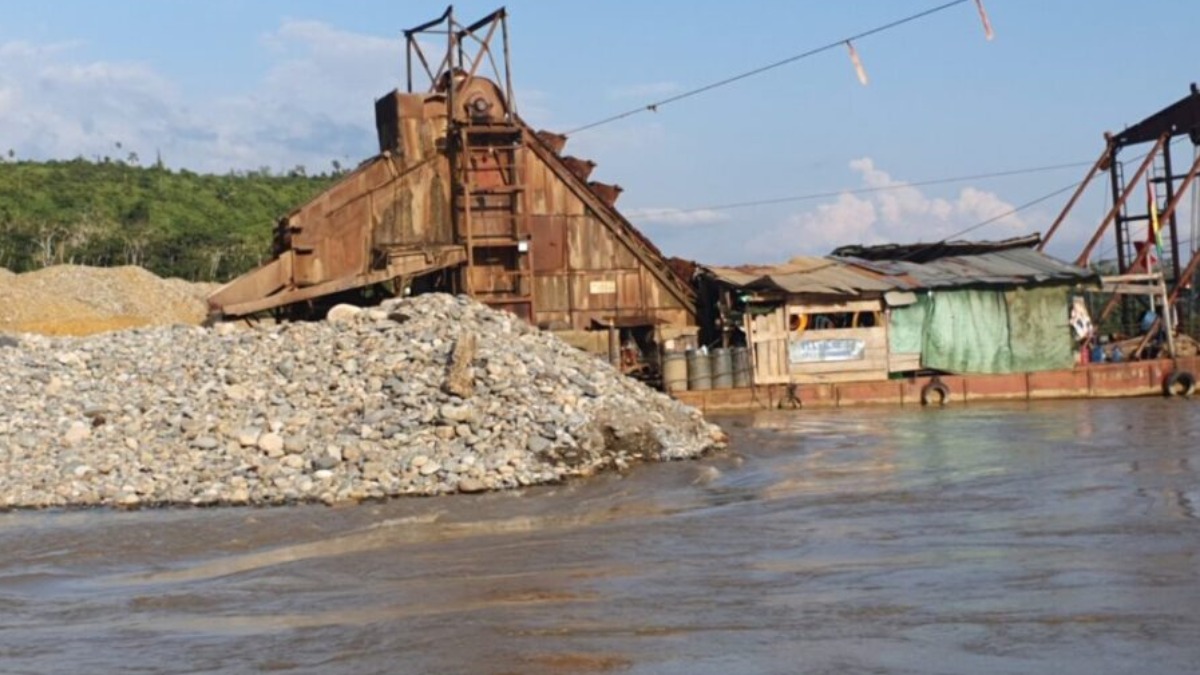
(1154, 237)
(987, 25)
(858, 66)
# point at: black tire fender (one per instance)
(1179, 383)
(935, 391)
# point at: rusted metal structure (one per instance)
(464, 196)
(1131, 212)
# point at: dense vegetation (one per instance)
(174, 223)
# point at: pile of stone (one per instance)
(82, 300)
(422, 396)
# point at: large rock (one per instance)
(271, 414)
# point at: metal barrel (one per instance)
(699, 370)
(675, 371)
(722, 368)
(741, 367)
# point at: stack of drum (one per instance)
(699, 370)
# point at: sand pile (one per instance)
(79, 300)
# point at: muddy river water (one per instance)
(1051, 538)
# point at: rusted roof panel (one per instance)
(1011, 267)
(855, 276)
(927, 252)
(803, 275)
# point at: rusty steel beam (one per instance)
(1105, 157)
(508, 88)
(1082, 260)
(498, 14)
(1170, 211)
(484, 50)
(431, 23)
(1188, 273)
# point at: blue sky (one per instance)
(219, 85)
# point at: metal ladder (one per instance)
(490, 214)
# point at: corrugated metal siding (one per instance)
(854, 276)
(401, 199)
(804, 275)
(1013, 267)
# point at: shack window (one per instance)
(799, 321)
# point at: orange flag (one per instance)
(858, 66)
(987, 25)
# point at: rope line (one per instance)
(653, 107)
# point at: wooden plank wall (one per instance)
(770, 336)
(583, 271)
(873, 365)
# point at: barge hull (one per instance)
(1109, 380)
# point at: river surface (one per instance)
(1048, 538)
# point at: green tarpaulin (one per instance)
(906, 328)
(986, 331)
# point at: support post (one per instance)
(1176, 198)
(1096, 168)
(1137, 177)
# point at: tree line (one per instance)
(105, 212)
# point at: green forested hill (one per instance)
(174, 223)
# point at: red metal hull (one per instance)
(1106, 380)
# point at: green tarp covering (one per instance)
(986, 331)
(906, 328)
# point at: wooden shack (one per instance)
(871, 313)
(808, 320)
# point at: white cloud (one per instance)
(314, 104)
(672, 217)
(889, 211)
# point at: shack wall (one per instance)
(785, 349)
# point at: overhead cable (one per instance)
(644, 213)
(653, 107)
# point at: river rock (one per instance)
(353, 408)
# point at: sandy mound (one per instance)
(79, 300)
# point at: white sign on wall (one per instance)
(602, 287)
(825, 351)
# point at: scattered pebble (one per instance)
(183, 415)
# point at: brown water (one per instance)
(1060, 537)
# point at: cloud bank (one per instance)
(313, 106)
(895, 213)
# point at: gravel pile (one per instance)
(80, 300)
(423, 396)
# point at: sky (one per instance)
(225, 85)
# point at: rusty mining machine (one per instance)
(465, 197)
(1146, 265)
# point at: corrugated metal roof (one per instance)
(855, 276)
(1011, 267)
(923, 252)
(823, 276)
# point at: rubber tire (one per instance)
(1177, 379)
(942, 390)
